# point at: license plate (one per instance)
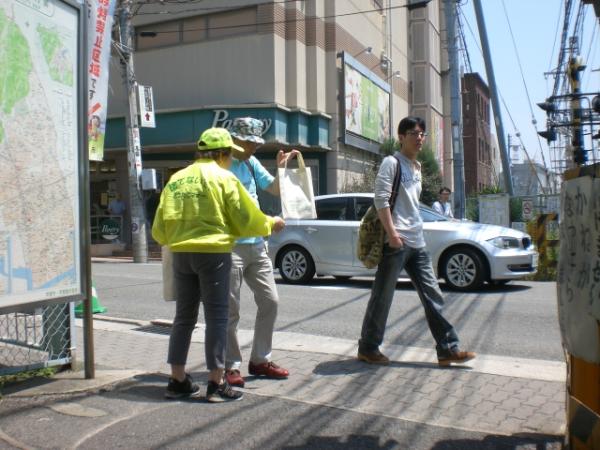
(534, 260)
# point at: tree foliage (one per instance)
(430, 171)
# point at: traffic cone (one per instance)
(96, 306)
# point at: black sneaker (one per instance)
(219, 393)
(182, 389)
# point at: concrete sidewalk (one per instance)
(331, 400)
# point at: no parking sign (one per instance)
(527, 208)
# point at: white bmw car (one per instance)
(465, 254)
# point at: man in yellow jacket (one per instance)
(203, 209)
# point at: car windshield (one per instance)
(429, 215)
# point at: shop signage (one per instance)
(110, 229)
(221, 119)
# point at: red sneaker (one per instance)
(234, 378)
(269, 370)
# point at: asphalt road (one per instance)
(519, 319)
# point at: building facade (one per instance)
(479, 150)
(327, 77)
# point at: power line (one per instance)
(516, 130)
(274, 22)
(461, 31)
(563, 47)
(555, 35)
(209, 8)
(593, 44)
(533, 119)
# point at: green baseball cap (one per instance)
(218, 138)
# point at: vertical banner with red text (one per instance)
(100, 19)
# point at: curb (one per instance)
(139, 323)
(69, 383)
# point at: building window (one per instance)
(198, 28)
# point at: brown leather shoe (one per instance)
(374, 357)
(269, 370)
(234, 378)
(455, 357)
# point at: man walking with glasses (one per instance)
(404, 248)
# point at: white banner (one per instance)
(100, 19)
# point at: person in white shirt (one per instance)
(443, 205)
(404, 248)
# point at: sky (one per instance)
(534, 26)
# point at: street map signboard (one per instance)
(42, 143)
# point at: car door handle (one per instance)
(311, 229)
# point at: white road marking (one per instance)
(533, 369)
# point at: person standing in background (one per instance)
(443, 205)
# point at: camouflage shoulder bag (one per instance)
(370, 231)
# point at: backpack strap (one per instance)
(396, 185)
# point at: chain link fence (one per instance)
(37, 338)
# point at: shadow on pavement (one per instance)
(346, 366)
(491, 442)
(498, 442)
(352, 441)
(14, 387)
(405, 284)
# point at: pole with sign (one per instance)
(138, 216)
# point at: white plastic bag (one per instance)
(296, 192)
(167, 274)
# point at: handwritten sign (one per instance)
(579, 268)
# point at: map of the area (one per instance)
(39, 237)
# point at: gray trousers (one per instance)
(200, 276)
(251, 263)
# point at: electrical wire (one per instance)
(463, 41)
(210, 8)
(593, 44)
(275, 22)
(533, 119)
(516, 130)
(555, 35)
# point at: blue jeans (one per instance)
(417, 263)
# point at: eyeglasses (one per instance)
(420, 134)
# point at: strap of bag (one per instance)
(396, 185)
(300, 161)
(257, 188)
(251, 169)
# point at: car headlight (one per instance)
(505, 242)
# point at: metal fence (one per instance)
(38, 338)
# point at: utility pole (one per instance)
(134, 149)
(574, 71)
(455, 109)
(489, 69)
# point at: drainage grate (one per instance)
(156, 329)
